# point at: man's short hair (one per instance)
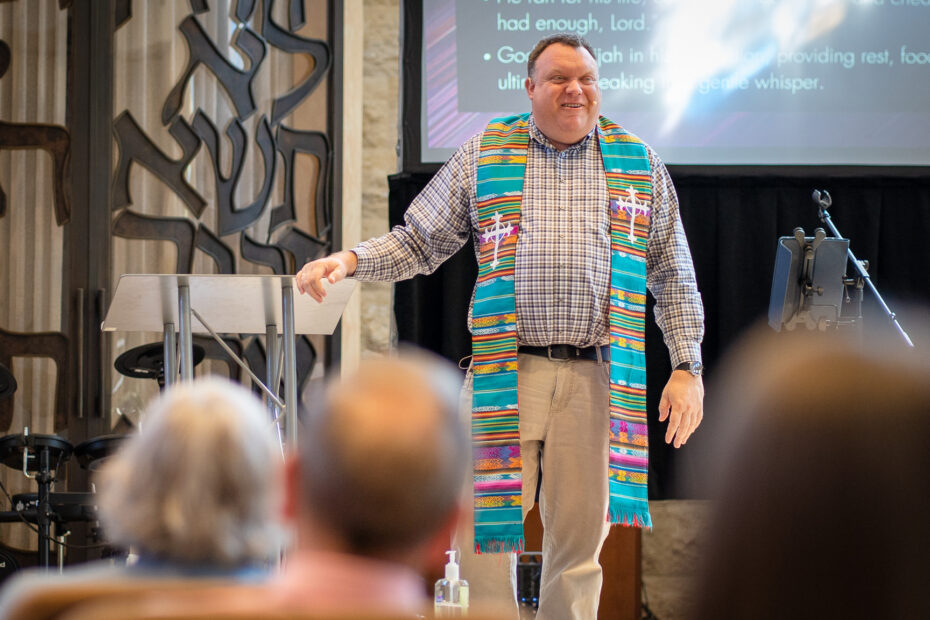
(385, 454)
(565, 38)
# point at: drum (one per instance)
(93, 453)
(11, 560)
(147, 361)
(12, 448)
(64, 507)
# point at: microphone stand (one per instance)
(823, 202)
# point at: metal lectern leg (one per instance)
(271, 357)
(184, 321)
(271, 372)
(238, 360)
(290, 366)
(170, 356)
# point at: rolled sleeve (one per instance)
(679, 311)
(436, 225)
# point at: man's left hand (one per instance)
(682, 405)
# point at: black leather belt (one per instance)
(568, 352)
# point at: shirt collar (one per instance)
(335, 578)
(541, 138)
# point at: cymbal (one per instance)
(7, 382)
(147, 361)
(12, 448)
(92, 453)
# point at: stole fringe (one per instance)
(505, 544)
(630, 518)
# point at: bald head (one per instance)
(383, 458)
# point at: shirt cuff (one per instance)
(685, 352)
(366, 265)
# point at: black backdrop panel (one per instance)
(732, 225)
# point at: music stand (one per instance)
(227, 304)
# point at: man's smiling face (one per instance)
(564, 93)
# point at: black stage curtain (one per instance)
(732, 224)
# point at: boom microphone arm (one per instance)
(823, 201)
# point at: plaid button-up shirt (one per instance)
(563, 249)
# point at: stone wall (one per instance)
(672, 553)
(379, 157)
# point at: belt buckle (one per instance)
(560, 359)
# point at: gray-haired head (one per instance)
(200, 483)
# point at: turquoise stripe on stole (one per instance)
(496, 382)
(492, 516)
(485, 399)
(502, 171)
(492, 306)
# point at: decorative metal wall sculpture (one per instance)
(54, 346)
(278, 243)
(263, 232)
(52, 138)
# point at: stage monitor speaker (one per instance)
(808, 283)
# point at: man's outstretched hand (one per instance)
(333, 268)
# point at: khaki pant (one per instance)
(564, 428)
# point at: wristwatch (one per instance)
(695, 368)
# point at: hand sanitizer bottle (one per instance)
(451, 592)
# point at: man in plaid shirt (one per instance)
(562, 284)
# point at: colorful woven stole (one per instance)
(495, 422)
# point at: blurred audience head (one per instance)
(200, 483)
(382, 461)
(823, 508)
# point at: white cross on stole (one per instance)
(633, 207)
(496, 233)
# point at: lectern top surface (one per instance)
(242, 304)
